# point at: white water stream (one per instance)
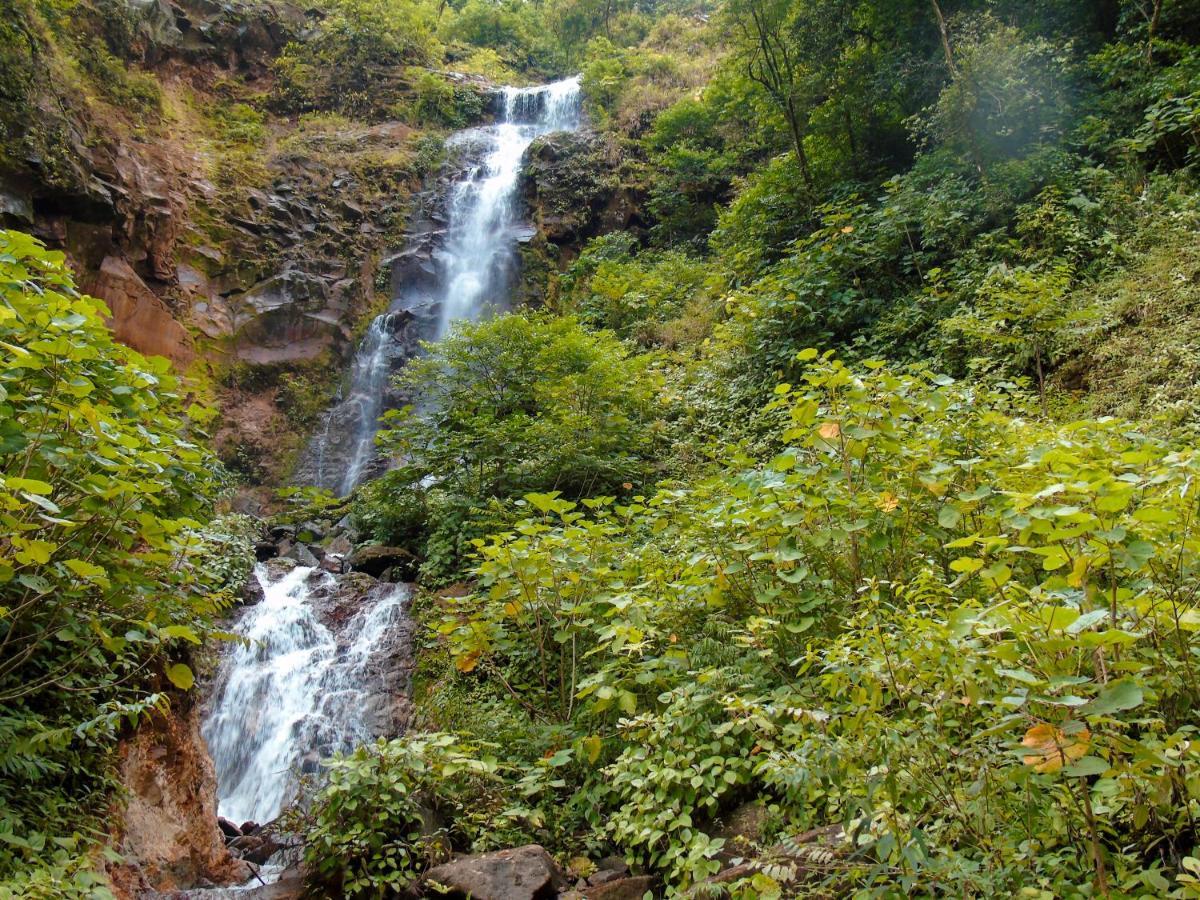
(290, 693)
(296, 691)
(474, 266)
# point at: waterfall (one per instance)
(323, 664)
(472, 270)
(294, 691)
(482, 210)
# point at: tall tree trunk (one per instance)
(944, 32)
(798, 142)
(1151, 27)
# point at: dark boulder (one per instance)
(265, 550)
(252, 591)
(255, 848)
(522, 873)
(228, 828)
(375, 560)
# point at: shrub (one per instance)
(106, 574)
(348, 64)
(386, 812)
(934, 619)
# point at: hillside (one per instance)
(806, 506)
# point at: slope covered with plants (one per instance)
(827, 530)
(877, 563)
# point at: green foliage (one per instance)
(933, 619)
(375, 825)
(108, 567)
(1006, 94)
(643, 296)
(1022, 310)
(349, 64)
(440, 102)
(917, 608)
(513, 404)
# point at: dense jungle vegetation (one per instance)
(857, 480)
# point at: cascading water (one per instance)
(481, 235)
(291, 694)
(324, 664)
(473, 266)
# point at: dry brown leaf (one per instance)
(829, 430)
(1052, 748)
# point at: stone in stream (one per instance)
(522, 873)
(375, 560)
(252, 591)
(302, 554)
(255, 848)
(228, 828)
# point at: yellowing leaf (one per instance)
(591, 746)
(829, 430)
(181, 631)
(32, 485)
(1078, 571)
(85, 569)
(887, 501)
(1051, 748)
(467, 661)
(181, 676)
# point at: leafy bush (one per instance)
(513, 404)
(440, 102)
(104, 489)
(634, 295)
(385, 812)
(934, 619)
(348, 64)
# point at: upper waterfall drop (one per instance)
(482, 209)
(473, 265)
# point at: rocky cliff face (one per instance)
(166, 826)
(242, 245)
(573, 187)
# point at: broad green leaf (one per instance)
(181, 676)
(1118, 696)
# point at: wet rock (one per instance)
(251, 828)
(376, 559)
(228, 828)
(252, 592)
(290, 886)
(302, 555)
(168, 831)
(570, 181)
(346, 527)
(523, 873)
(339, 546)
(278, 567)
(279, 532)
(265, 550)
(255, 848)
(333, 563)
(310, 532)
